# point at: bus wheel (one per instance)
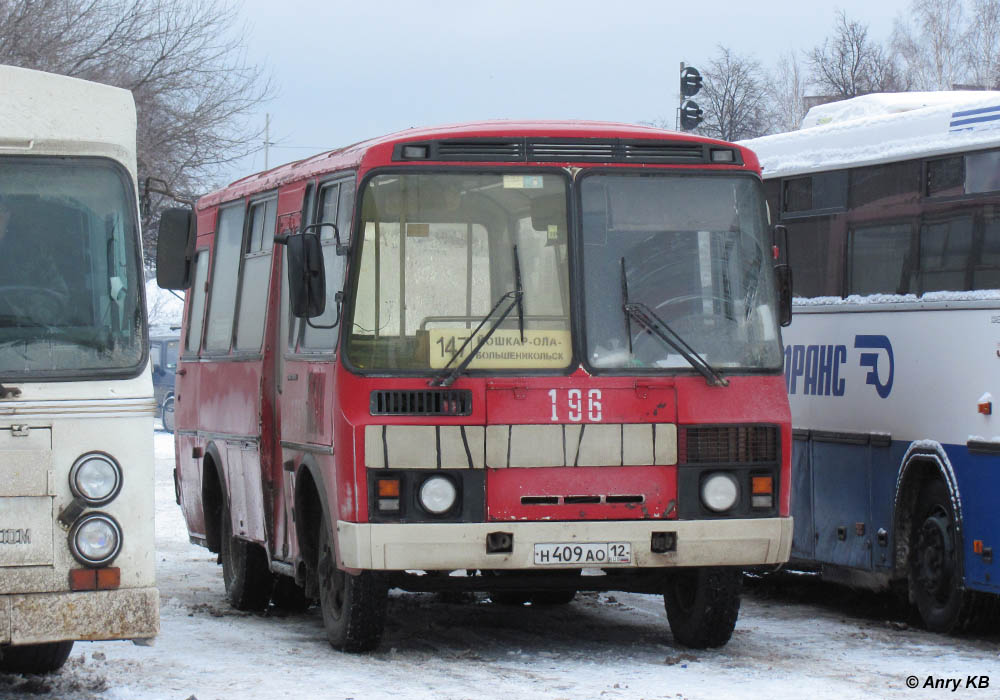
(244, 568)
(703, 604)
(353, 607)
(167, 414)
(935, 571)
(35, 658)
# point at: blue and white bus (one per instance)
(892, 362)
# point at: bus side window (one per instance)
(192, 340)
(256, 275)
(335, 203)
(987, 272)
(225, 270)
(878, 262)
(945, 254)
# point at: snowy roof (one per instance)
(882, 128)
(47, 114)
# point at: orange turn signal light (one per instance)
(977, 546)
(762, 485)
(95, 579)
(82, 579)
(109, 578)
(388, 488)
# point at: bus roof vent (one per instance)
(478, 150)
(728, 444)
(582, 149)
(421, 402)
(664, 152)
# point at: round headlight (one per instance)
(96, 478)
(438, 494)
(719, 491)
(96, 539)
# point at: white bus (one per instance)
(76, 398)
(892, 362)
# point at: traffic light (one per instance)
(690, 82)
(691, 115)
(690, 112)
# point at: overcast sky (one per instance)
(346, 71)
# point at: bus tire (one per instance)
(935, 569)
(244, 568)
(167, 414)
(702, 605)
(353, 607)
(35, 658)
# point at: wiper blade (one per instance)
(446, 378)
(655, 325)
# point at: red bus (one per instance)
(526, 359)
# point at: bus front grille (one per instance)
(421, 402)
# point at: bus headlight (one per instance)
(96, 539)
(438, 495)
(719, 491)
(96, 478)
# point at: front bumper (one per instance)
(127, 613)
(448, 546)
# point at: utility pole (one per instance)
(267, 137)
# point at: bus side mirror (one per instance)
(175, 248)
(782, 274)
(306, 273)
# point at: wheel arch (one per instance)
(213, 495)
(924, 461)
(311, 508)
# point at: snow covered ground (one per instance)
(787, 644)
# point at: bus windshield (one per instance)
(693, 250)
(438, 253)
(69, 269)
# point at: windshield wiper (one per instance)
(655, 325)
(446, 377)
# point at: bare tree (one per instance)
(849, 63)
(183, 60)
(931, 51)
(981, 44)
(786, 93)
(733, 98)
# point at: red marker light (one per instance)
(986, 408)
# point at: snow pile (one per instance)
(862, 300)
(869, 130)
(165, 308)
(888, 103)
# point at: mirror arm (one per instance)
(341, 248)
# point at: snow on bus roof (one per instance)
(882, 128)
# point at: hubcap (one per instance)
(935, 556)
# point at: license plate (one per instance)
(596, 553)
